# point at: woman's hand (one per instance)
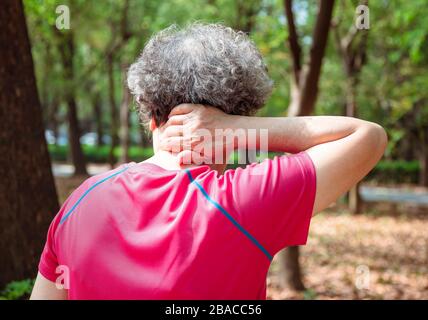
(195, 131)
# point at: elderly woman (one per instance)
(164, 229)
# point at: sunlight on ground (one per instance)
(395, 250)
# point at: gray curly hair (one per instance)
(203, 64)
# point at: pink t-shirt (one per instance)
(143, 232)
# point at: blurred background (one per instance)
(66, 114)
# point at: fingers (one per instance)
(173, 144)
(173, 131)
(183, 108)
(176, 120)
(187, 157)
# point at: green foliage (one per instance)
(398, 171)
(390, 89)
(17, 290)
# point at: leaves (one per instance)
(17, 290)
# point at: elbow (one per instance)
(382, 138)
(378, 138)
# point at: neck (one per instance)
(169, 161)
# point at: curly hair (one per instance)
(206, 64)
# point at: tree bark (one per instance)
(28, 198)
(352, 49)
(113, 111)
(96, 103)
(305, 80)
(354, 198)
(423, 158)
(76, 152)
(54, 118)
(67, 52)
(125, 34)
(304, 93)
(124, 118)
(290, 268)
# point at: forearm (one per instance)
(295, 134)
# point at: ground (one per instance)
(385, 256)
(383, 252)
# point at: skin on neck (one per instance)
(170, 161)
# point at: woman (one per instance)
(164, 229)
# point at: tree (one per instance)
(116, 43)
(28, 198)
(304, 92)
(304, 80)
(352, 48)
(66, 48)
(124, 117)
(246, 12)
(96, 104)
(405, 69)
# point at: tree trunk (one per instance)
(125, 35)
(304, 93)
(96, 102)
(67, 52)
(354, 198)
(53, 119)
(306, 77)
(124, 119)
(352, 48)
(423, 159)
(28, 198)
(113, 111)
(290, 268)
(75, 148)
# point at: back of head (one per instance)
(203, 64)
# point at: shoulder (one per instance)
(94, 184)
(281, 164)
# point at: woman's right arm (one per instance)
(343, 149)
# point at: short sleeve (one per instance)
(48, 260)
(275, 199)
(51, 254)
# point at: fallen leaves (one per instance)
(394, 250)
